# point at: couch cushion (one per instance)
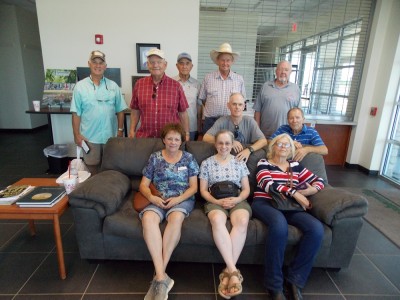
(316, 164)
(196, 229)
(129, 156)
(125, 222)
(200, 150)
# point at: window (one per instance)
(325, 40)
(327, 69)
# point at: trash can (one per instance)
(57, 157)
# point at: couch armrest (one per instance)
(333, 204)
(103, 192)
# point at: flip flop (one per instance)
(237, 286)
(223, 287)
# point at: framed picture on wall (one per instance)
(141, 59)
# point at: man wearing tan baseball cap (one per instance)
(95, 103)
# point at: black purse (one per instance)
(282, 202)
(224, 189)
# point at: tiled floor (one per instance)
(29, 270)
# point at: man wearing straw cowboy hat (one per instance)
(219, 85)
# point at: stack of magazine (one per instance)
(12, 193)
(42, 196)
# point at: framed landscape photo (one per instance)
(141, 59)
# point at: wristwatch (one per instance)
(251, 149)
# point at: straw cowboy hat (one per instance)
(223, 48)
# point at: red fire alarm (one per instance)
(373, 111)
(98, 38)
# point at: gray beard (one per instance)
(283, 81)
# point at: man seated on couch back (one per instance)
(244, 128)
(306, 139)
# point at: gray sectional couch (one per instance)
(107, 226)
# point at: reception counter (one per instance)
(60, 123)
(336, 135)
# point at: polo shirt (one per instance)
(191, 89)
(97, 107)
(273, 103)
(307, 135)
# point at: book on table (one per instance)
(13, 192)
(42, 196)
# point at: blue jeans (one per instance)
(208, 123)
(277, 222)
(193, 135)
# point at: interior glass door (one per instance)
(391, 165)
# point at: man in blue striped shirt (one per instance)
(306, 139)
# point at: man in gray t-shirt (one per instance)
(244, 128)
(275, 99)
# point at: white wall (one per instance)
(67, 30)
(378, 88)
(21, 72)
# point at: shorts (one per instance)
(241, 205)
(185, 207)
(93, 158)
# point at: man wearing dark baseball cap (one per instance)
(96, 101)
(191, 88)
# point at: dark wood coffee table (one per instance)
(14, 212)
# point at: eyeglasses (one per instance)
(155, 89)
(236, 132)
(283, 145)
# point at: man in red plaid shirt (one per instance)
(157, 100)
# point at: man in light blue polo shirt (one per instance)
(97, 110)
(306, 139)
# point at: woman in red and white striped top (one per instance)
(273, 172)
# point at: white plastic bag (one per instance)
(76, 167)
(77, 164)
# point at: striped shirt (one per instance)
(269, 174)
(307, 135)
(215, 92)
(164, 108)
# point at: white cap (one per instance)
(156, 52)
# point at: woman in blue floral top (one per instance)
(174, 174)
(221, 167)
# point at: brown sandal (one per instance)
(237, 286)
(223, 287)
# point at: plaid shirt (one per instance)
(215, 92)
(155, 113)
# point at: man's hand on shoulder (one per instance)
(237, 146)
(300, 153)
(297, 144)
(244, 155)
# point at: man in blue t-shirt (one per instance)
(306, 139)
